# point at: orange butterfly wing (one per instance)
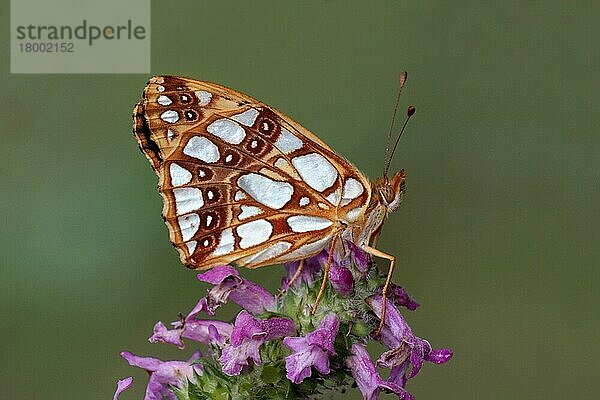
(241, 182)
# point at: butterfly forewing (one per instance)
(241, 182)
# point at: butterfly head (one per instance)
(389, 192)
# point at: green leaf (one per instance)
(270, 374)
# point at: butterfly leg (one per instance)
(296, 274)
(325, 274)
(293, 279)
(378, 253)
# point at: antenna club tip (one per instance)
(410, 111)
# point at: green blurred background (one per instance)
(497, 239)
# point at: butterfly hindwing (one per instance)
(241, 182)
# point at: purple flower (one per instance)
(405, 346)
(367, 378)
(310, 269)
(248, 334)
(202, 331)
(359, 257)
(122, 385)
(312, 350)
(341, 279)
(400, 297)
(164, 374)
(230, 285)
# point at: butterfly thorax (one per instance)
(386, 197)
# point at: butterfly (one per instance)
(244, 184)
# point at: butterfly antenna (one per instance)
(410, 111)
(403, 76)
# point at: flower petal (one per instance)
(218, 274)
(164, 374)
(401, 298)
(298, 365)
(248, 334)
(394, 357)
(253, 297)
(207, 331)
(122, 385)
(398, 375)
(360, 258)
(193, 329)
(439, 356)
(163, 335)
(416, 360)
(148, 363)
(406, 347)
(395, 327)
(311, 268)
(230, 285)
(312, 350)
(367, 378)
(341, 279)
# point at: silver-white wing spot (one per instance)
(191, 245)
(179, 175)
(271, 193)
(304, 201)
(170, 116)
(160, 88)
(253, 233)
(307, 249)
(203, 149)
(248, 211)
(315, 170)
(247, 117)
(307, 223)
(352, 189)
(334, 198)
(187, 199)
(163, 100)
(353, 214)
(226, 243)
(268, 253)
(287, 142)
(203, 97)
(286, 167)
(170, 134)
(228, 130)
(188, 225)
(239, 195)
